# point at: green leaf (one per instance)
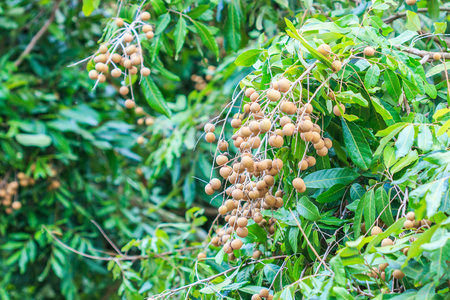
(369, 208)
(89, 6)
(351, 97)
(434, 196)
(405, 141)
(357, 146)
(433, 9)
(383, 205)
(248, 58)
(163, 22)
(444, 128)
(332, 194)
(158, 6)
(424, 138)
(405, 161)
(338, 268)
(36, 140)
(198, 11)
(438, 69)
(372, 76)
(392, 84)
(415, 250)
(412, 21)
(233, 25)
(180, 34)
(328, 178)
(154, 96)
(307, 209)
(206, 37)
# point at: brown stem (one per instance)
(403, 14)
(38, 35)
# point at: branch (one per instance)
(38, 35)
(422, 53)
(403, 14)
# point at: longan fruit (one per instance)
(145, 72)
(8, 210)
(276, 141)
(320, 144)
(298, 183)
(209, 127)
(324, 49)
(254, 97)
(369, 51)
(273, 95)
(201, 256)
(247, 108)
(16, 205)
(145, 16)
(249, 92)
(336, 65)
(306, 126)
(285, 120)
(411, 216)
(242, 222)
(256, 297)
(237, 194)
(277, 164)
(209, 190)
(129, 103)
(101, 67)
(258, 218)
(411, 2)
(127, 63)
(128, 37)
(256, 254)
(279, 202)
(210, 137)
(215, 183)
(236, 123)
(303, 165)
(223, 210)
(398, 274)
(331, 95)
(124, 90)
(227, 248)
(269, 180)
(383, 276)
(376, 230)
(147, 28)
(133, 70)
(270, 297)
(322, 152)
(221, 160)
(289, 129)
(242, 232)
(336, 110)
(316, 138)
(236, 244)
(265, 125)
(311, 160)
(149, 121)
(436, 56)
(383, 266)
(285, 106)
(308, 108)
(405, 251)
(387, 242)
(116, 72)
(408, 224)
(255, 107)
(264, 293)
(328, 143)
(93, 74)
(425, 222)
(270, 200)
(149, 35)
(284, 85)
(119, 22)
(307, 136)
(223, 145)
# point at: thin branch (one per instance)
(107, 238)
(403, 14)
(422, 53)
(38, 35)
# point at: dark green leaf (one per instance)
(154, 97)
(357, 146)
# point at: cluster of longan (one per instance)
(147, 120)
(123, 54)
(410, 223)
(200, 82)
(251, 175)
(263, 294)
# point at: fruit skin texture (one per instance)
(436, 56)
(273, 95)
(369, 51)
(201, 256)
(324, 49)
(411, 2)
(336, 110)
(376, 230)
(284, 85)
(398, 274)
(336, 65)
(411, 216)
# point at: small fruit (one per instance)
(254, 97)
(215, 183)
(284, 85)
(324, 49)
(16, 205)
(242, 232)
(256, 254)
(256, 297)
(328, 143)
(209, 190)
(145, 16)
(383, 266)
(264, 293)
(322, 152)
(408, 224)
(336, 110)
(398, 274)
(336, 65)
(249, 92)
(411, 2)
(140, 140)
(150, 35)
(273, 95)
(411, 216)
(265, 125)
(223, 145)
(210, 137)
(223, 210)
(376, 230)
(119, 22)
(236, 244)
(147, 28)
(149, 121)
(201, 256)
(387, 242)
(369, 51)
(221, 160)
(437, 56)
(129, 103)
(298, 184)
(124, 90)
(128, 37)
(303, 165)
(145, 72)
(93, 74)
(116, 73)
(242, 222)
(209, 127)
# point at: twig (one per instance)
(107, 238)
(403, 14)
(422, 53)
(38, 35)
(309, 243)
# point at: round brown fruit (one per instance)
(284, 85)
(387, 242)
(369, 51)
(242, 222)
(145, 72)
(411, 216)
(383, 266)
(145, 16)
(336, 110)
(256, 254)
(119, 22)
(93, 74)
(376, 230)
(223, 145)
(16, 205)
(129, 103)
(201, 256)
(298, 184)
(436, 56)
(256, 297)
(324, 49)
(221, 160)
(411, 2)
(223, 210)
(265, 125)
(210, 137)
(264, 293)
(128, 37)
(273, 95)
(124, 90)
(209, 127)
(215, 183)
(336, 65)
(236, 244)
(249, 92)
(209, 190)
(328, 143)
(149, 35)
(398, 274)
(147, 28)
(242, 232)
(322, 152)
(408, 224)
(303, 165)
